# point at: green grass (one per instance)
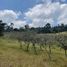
(12, 56)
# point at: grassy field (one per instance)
(12, 56)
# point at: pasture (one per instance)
(12, 56)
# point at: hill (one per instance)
(12, 56)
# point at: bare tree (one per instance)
(62, 39)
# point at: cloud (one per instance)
(10, 16)
(19, 23)
(49, 1)
(37, 16)
(52, 12)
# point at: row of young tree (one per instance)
(41, 40)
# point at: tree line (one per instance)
(46, 29)
(49, 29)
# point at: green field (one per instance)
(12, 56)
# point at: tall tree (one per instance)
(1, 28)
(47, 28)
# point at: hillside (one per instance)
(12, 56)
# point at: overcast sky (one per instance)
(36, 13)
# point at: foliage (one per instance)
(2, 25)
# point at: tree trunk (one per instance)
(65, 53)
(40, 47)
(49, 52)
(28, 47)
(34, 48)
(20, 44)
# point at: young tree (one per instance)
(62, 39)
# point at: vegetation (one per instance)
(2, 26)
(46, 29)
(12, 56)
(28, 48)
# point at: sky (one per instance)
(36, 13)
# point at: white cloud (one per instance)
(10, 16)
(47, 12)
(54, 13)
(19, 23)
